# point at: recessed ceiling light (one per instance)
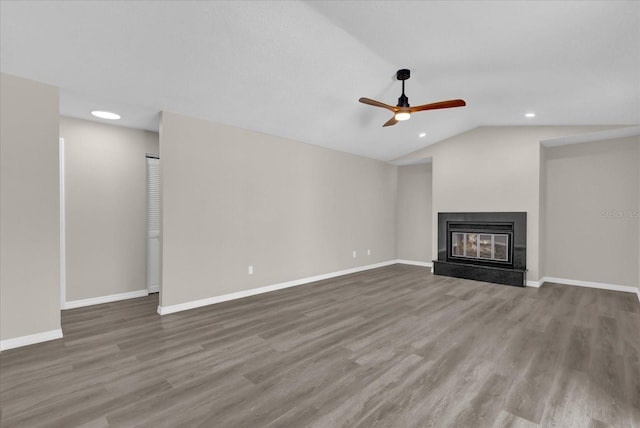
(422, 134)
(105, 115)
(530, 115)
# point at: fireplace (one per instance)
(485, 246)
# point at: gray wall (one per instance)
(489, 169)
(234, 198)
(592, 198)
(494, 169)
(29, 208)
(542, 218)
(105, 207)
(413, 213)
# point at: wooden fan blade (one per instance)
(390, 122)
(378, 104)
(438, 105)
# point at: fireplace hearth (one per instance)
(485, 246)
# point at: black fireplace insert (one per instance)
(485, 246)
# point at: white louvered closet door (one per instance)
(153, 225)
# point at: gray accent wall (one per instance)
(234, 198)
(414, 213)
(105, 207)
(592, 201)
(29, 208)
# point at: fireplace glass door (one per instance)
(484, 246)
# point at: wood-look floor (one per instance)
(391, 347)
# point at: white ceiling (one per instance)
(296, 69)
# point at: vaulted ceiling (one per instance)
(296, 69)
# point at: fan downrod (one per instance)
(403, 74)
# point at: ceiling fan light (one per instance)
(402, 115)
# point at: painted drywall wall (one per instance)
(489, 169)
(233, 198)
(29, 208)
(413, 213)
(542, 214)
(105, 207)
(591, 210)
(493, 169)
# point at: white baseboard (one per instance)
(414, 263)
(30, 339)
(589, 284)
(164, 310)
(105, 299)
(154, 289)
(534, 284)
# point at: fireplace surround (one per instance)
(485, 246)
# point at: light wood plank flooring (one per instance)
(390, 347)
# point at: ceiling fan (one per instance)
(403, 111)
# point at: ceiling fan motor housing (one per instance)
(403, 101)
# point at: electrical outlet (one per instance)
(354, 254)
(250, 270)
(369, 252)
